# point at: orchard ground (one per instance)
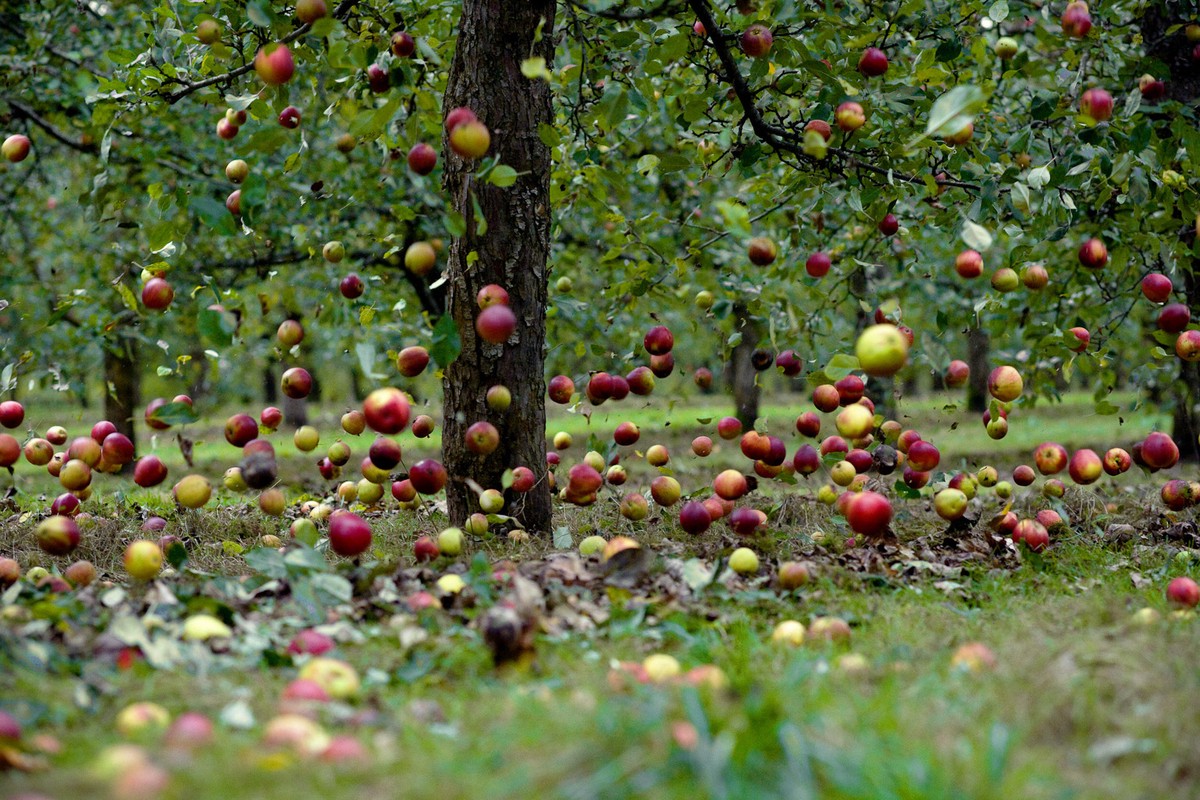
(1087, 695)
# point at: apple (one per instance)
(657, 455)
(882, 350)
(869, 513)
(427, 476)
(960, 136)
(240, 429)
(957, 374)
(422, 158)
(730, 485)
(296, 383)
(157, 294)
(641, 381)
(1187, 346)
(756, 41)
(411, 361)
(352, 286)
(233, 203)
(386, 410)
(968, 264)
(378, 80)
(850, 390)
(495, 324)
(272, 502)
(349, 534)
(55, 434)
(560, 389)
(237, 170)
(833, 444)
(743, 561)
(807, 460)
(1085, 467)
(470, 139)
(1005, 384)
(1096, 104)
(117, 449)
(820, 126)
(339, 680)
(143, 560)
(1151, 88)
(1035, 277)
(703, 377)
(309, 11)
(1093, 254)
(16, 148)
(482, 438)
(850, 116)
(789, 363)
(274, 64)
(420, 258)
(403, 45)
(1183, 592)
(208, 31)
(1005, 48)
(658, 340)
(761, 251)
(923, 456)
(1076, 20)
(818, 264)
(1173, 318)
(808, 424)
(1005, 280)
(12, 414)
(1159, 451)
(855, 421)
(873, 62)
(950, 504)
(57, 535)
(662, 365)
(290, 118)
(1157, 287)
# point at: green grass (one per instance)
(1083, 702)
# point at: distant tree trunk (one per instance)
(494, 38)
(739, 372)
(270, 388)
(1183, 84)
(122, 385)
(977, 359)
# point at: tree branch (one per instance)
(22, 110)
(172, 98)
(781, 138)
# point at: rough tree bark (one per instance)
(1183, 84)
(740, 374)
(494, 38)
(122, 387)
(977, 360)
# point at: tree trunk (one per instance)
(740, 374)
(1183, 84)
(122, 385)
(494, 38)
(977, 360)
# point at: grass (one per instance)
(1083, 701)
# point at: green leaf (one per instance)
(176, 554)
(175, 414)
(503, 176)
(841, 365)
(976, 236)
(216, 327)
(902, 489)
(259, 13)
(533, 68)
(267, 561)
(366, 359)
(955, 109)
(331, 589)
(446, 343)
(562, 538)
(999, 11)
(126, 296)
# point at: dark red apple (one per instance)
(349, 534)
(12, 414)
(149, 471)
(412, 361)
(427, 476)
(157, 294)
(1157, 287)
(240, 430)
(496, 323)
(889, 225)
(756, 41)
(808, 424)
(658, 340)
(290, 118)
(873, 62)
(403, 45)
(560, 389)
(386, 410)
(1174, 318)
(352, 286)
(818, 265)
(296, 383)
(1093, 254)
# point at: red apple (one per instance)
(1093, 254)
(296, 383)
(412, 361)
(873, 62)
(1183, 592)
(427, 476)
(889, 225)
(274, 64)
(1159, 451)
(491, 295)
(1174, 318)
(459, 116)
(1151, 88)
(1082, 336)
(969, 264)
(157, 294)
(16, 148)
(729, 428)
(290, 117)
(349, 534)
(850, 390)
(1187, 346)
(808, 424)
(149, 471)
(403, 45)
(378, 80)
(1076, 20)
(422, 158)
(1050, 458)
(761, 251)
(561, 389)
(386, 410)
(662, 365)
(495, 324)
(869, 513)
(352, 286)
(309, 11)
(1085, 467)
(482, 437)
(240, 430)
(923, 456)
(12, 413)
(850, 116)
(1096, 104)
(1157, 287)
(658, 340)
(756, 41)
(694, 517)
(818, 265)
